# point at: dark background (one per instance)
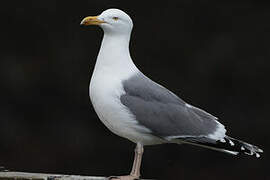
(214, 55)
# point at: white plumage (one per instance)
(134, 107)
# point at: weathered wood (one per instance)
(5, 175)
(11, 175)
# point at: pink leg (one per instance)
(137, 161)
(135, 172)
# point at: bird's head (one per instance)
(111, 21)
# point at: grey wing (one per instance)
(165, 114)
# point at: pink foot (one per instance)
(128, 177)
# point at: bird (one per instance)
(133, 106)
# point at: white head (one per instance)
(111, 21)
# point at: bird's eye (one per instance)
(115, 18)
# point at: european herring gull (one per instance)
(134, 107)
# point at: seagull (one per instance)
(134, 107)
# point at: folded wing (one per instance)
(165, 114)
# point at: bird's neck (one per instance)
(114, 53)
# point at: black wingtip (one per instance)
(242, 147)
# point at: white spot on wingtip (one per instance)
(222, 140)
(260, 150)
(257, 155)
(231, 143)
(242, 148)
(251, 153)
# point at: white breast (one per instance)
(105, 92)
(113, 66)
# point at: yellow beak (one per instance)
(91, 20)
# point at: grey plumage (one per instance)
(172, 119)
(163, 112)
(135, 107)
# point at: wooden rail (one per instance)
(13, 175)
(6, 175)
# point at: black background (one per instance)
(214, 55)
